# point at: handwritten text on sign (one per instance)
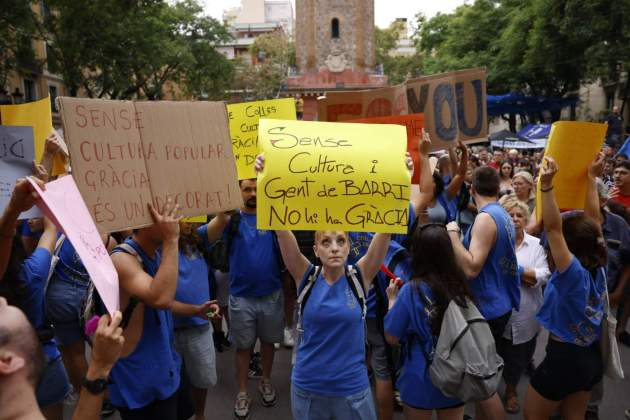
(413, 123)
(453, 104)
(333, 176)
(244, 118)
(128, 154)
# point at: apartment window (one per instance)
(29, 90)
(334, 26)
(52, 92)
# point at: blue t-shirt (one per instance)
(254, 259)
(33, 275)
(401, 270)
(151, 371)
(192, 286)
(330, 357)
(496, 289)
(574, 305)
(70, 266)
(408, 320)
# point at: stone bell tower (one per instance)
(334, 45)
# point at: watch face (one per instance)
(96, 386)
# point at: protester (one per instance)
(513, 157)
(488, 259)
(505, 174)
(573, 307)
(621, 191)
(192, 308)
(614, 134)
(22, 362)
(443, 206)
(518, 343)
(65, 299)
(607, 174)
(256, 305)
(524, 189)
(145, 380)
(329, 379)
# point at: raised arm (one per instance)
(551, 216)
(159, 291)
(22, 199)
(483, 236)
(591, 205)
(422, 200)
(371, 262)
(217, 226)
(48, 240)
(460, 175)
(296, 263)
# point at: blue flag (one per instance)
(625, 149)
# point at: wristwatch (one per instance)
(96, 386)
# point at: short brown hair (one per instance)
(486, 181)
(585, 241)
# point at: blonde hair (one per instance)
(527, 177)
(319, 233)
(510, 202)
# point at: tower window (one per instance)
(334, 26)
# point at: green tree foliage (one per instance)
(17, 27)
(541, 47)
(397, 68)
(273, 54)
(124, 49)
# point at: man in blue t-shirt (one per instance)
(145, 380)
(256, 302)
(488, 259)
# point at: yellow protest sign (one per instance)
(195, 219)
(36, 114)
(573, 145)
(243, 118)
(333, 176)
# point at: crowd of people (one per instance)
(366, 305)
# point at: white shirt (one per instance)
(522, 325)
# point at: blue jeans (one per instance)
(308, 406)
(54, 385)
(65, 299)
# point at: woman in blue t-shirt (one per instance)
(443, 205)
(329, 379)
(573, 305)
(415, 317)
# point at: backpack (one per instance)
(353, 276)
(94, 305)
(219, 254)
(465, 363)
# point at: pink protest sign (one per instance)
(62, 203)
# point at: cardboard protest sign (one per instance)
(333, 176)
(128, 154)
(413, 123)
(453, 104)
(573, 145)
(342, 106)
(38, 115)
(244, 119)
(62, 203)
(16, 159)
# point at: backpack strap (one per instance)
(54, 260)
(305, 291)
(133, 301)
(353, 276)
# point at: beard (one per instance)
(251, 203)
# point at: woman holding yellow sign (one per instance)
(329, 379)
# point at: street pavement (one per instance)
(220, 399)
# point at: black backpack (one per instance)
(219, 254)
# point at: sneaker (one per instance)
(241, 406)
(107, 408)
(255, 370)
(627, 413)
(268, 396)
(289, 341)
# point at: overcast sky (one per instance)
(385, 10)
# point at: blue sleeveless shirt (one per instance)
(151, 372)
(496, 288)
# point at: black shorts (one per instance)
(567, 369)
(497, 325)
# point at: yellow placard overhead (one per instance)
(333, 176)
(244, 118)
(38, 115)
(573, 145)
